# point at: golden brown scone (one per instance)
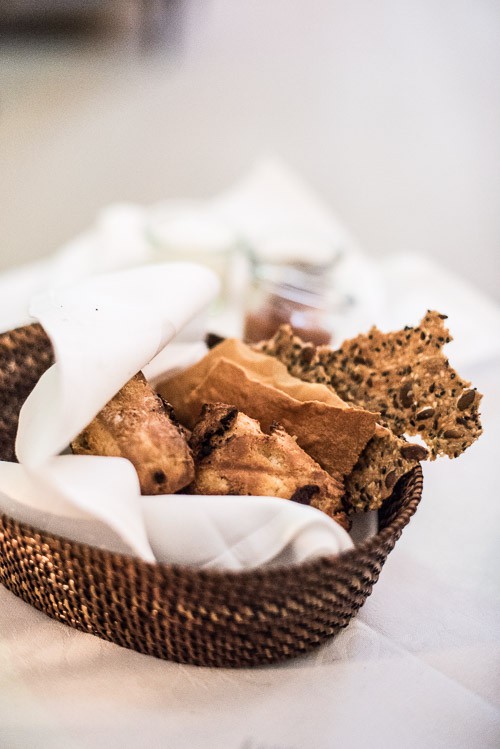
(329, 430)
(233, 456)
(139, 425)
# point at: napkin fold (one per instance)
(104, 330)
(225, 532)
(80, 487)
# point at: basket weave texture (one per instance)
(201, 617)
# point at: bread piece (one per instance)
(381, 463)
(139, 425)
(331, 431)
(233, 456)
(403, 375)
(385, 459)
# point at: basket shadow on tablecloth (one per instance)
(201, 617)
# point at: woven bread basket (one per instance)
(201, 617)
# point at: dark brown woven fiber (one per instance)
(25, 354)
(208, 618)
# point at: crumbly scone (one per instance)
(140, 425)
(233, 456)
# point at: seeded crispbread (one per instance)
(403, 375)
(385, 459)
(406, 378)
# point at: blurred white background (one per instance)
(391, 110)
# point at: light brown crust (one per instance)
(233, 456)
(138, 425)
(329, 430)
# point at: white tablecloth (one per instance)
(419, 667)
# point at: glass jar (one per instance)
(299, 293)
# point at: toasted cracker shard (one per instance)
(234, 456)
(380, 466)
(405, 377)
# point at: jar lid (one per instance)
(301, 283)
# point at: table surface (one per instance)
(419, 667)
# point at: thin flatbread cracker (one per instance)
(329, 430)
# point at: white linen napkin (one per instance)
(104, 330)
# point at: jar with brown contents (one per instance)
(298, 294)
